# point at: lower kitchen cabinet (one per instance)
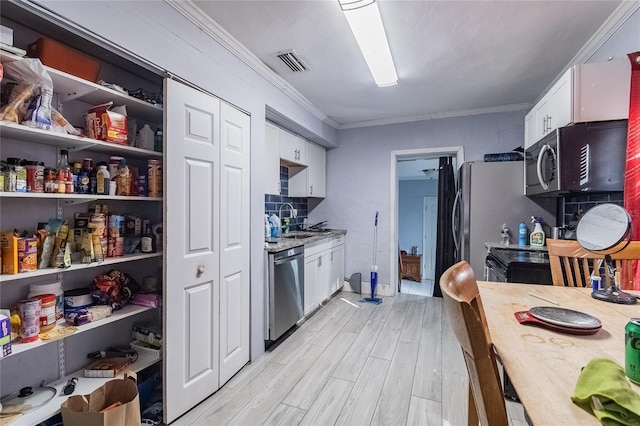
(323, 270)
(336, 275)
(316, 274)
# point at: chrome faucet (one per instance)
(294, 212)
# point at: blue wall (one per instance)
(410, 203)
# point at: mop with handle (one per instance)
(374, 268)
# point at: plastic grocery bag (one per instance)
(30, 71)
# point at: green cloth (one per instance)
(604, 391)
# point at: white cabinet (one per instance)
(323, 270)
(272, 159)
(586, 92)
(310, 181)
(336, 275)
(293, 149)
(317, 266)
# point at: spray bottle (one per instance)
(537, 236)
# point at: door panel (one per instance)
(191, 281)
(235, 241)
(199, 348)
(198, 180)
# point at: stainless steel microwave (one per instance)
(585, 157)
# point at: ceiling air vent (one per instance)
(293, 61)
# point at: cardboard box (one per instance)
(61, 57)
(27, 254)
(5, 336)
(9, 245)
(106, 125)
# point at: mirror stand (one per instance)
(613, 293)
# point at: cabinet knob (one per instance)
(200, 270)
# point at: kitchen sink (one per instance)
(299, 235)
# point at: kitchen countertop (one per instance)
(515, 247)
(285, 243)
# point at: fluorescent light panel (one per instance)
(364, 19)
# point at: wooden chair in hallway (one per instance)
(462, 303)
(572, 265)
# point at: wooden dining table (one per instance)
(542, 364)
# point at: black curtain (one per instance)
(445, 249)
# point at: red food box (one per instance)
(61, 57)
(106, 125)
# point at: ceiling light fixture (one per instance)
(364, 19)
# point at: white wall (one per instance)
(359, 180)
(155, 31)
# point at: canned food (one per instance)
(29, 311)
(35, 176)
(632, 350)
(154, 178)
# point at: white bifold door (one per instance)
(206, 284)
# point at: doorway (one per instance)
(414, 178)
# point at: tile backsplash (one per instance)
(272, 203)
(575, 203)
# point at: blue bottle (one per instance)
(522, 234)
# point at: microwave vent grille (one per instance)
(584, 164)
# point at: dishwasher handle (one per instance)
(285, 260)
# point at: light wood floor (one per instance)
(353, 363)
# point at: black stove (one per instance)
(518, 266)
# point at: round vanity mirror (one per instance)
(603, 229)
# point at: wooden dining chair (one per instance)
(572, 265)
(462, 303)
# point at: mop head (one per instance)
(374, 300)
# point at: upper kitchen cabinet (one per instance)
(586, 92)
(293, 149)
(272, 159)
(310, 181)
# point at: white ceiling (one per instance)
(452, 57)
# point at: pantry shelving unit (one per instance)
(54, 357)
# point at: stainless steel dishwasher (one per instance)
(285, 305)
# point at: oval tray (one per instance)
(565, 317)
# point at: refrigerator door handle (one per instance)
(454, 231)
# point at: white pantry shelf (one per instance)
(79, 266)
(126, 311)
(83, 387)
(71, 142)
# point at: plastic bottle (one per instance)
(145, 138)
(267, 227)
(522, 234)
(504, 235)
(102, 180)
(537, 236)
(275, 226)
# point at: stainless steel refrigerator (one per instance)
(490, 194)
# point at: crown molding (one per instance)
(613, 23)
(210, 27)
(437, 115)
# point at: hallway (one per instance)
(353, 364)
